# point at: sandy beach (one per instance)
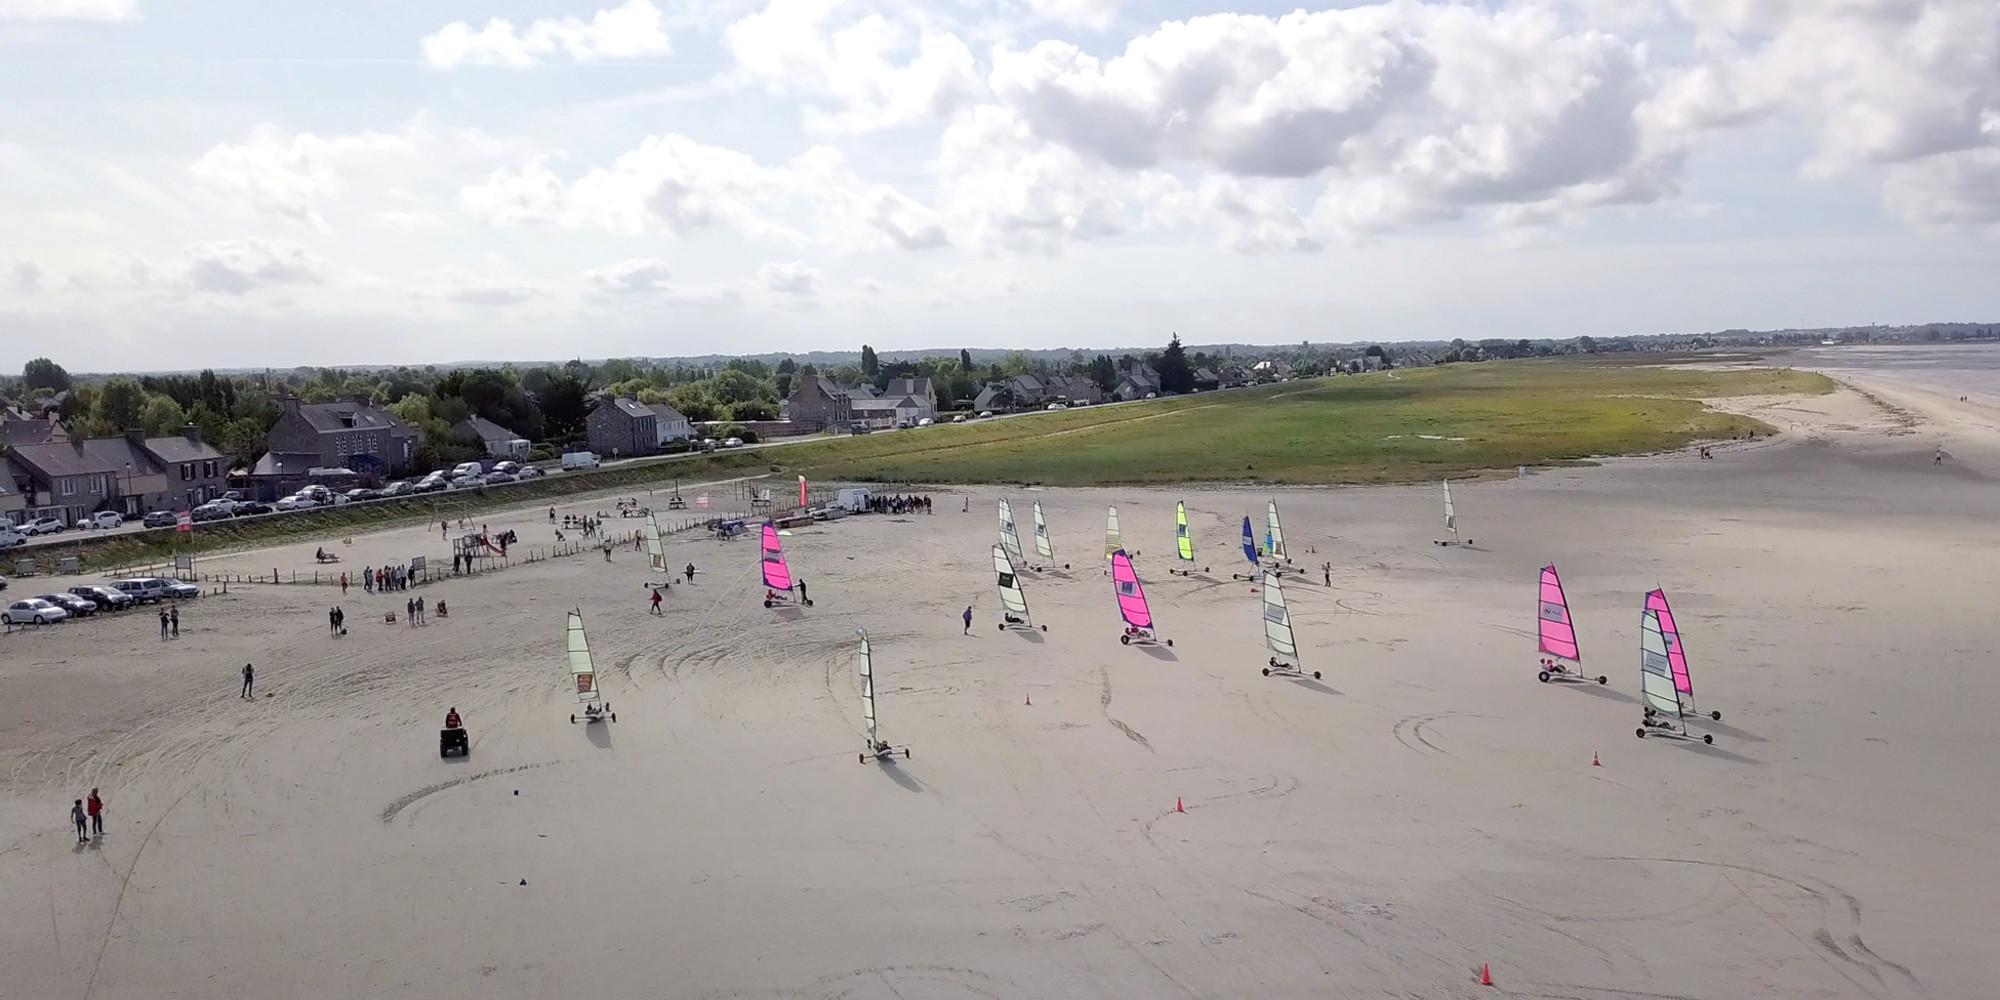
(1425, 810)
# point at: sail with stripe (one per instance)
(1278, 623)
(1274, 532)
(1555, 633)
(1656, 678)
(1012, 598)
(1111, 540)
(777, 575)
(582, 670)
(1183, 541)
(1677, 664)
(1042, 546)
(1010, 538)
(1249, 542)
(656, 549)
(867, 688)
(1450, 513)
(1131, 596)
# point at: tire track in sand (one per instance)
(1104, 705)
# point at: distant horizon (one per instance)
(985, 355)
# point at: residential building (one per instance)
(919, 390)
(1076, 390)
(13, 501)
(1138, 382)
(498, 441)
(890, 411)
(817, 402)
(995, 397)
(194, 471)
(1206, 380)
(350, 434)
(669, 425)
(18, 427)
(622, 426)
(1028, 390)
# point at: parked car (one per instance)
(530, 472)
(78, 607)
(958, 419)
(10, 537)
(160, 519)
(926, 422)
(236, 495)
(206, 512)
(496, 478)
(144, 590)
(3, 583)
(180, 591)
(399, 488)
(102, 519)
(252, 507)
(509, 467)
(466, 482)
(104, 597)
(360, 493)
(983, 414)
(43, 526)
(1055, 406)
(294, 502)
(34, 611)
(732, 442)
(467, 469)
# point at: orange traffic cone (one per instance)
(1177, 805)
(1485, 974)
(1594, 762)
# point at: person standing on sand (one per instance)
(76, 816)
(1327, 568)
(1938, 459)
(94, 806)
(343, 585)
(163, 625)
(174, 619)
(410, 612)
(333, 623)
(690, 572)
(968, 620)
(249, 680)
(801, 584)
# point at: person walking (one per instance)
(968, 620)
(343, 584)
(656, 600)
(163, 625)
(690, 572)
(1327, 569)
(174, 619)
(94, 807)
(333, 623)
(249, 681)
(802, 591)
(76, 816)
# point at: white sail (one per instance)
(867, 687)
(581, 669)
(1274, 532)
(1277, 623)
(1012, 597)
(1111, 539)
(1042, 546)
(656, 550)
(1656, 679)
(1450, 513)
(1009, 537)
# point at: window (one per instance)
(97, 485)
(69, 486)
(187, 471)
(208, 470)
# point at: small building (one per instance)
(19, 427)
(890, 411)
(1206, 380)
(817, 402)
(1138, 383)
(918, 390)
(349, 434)
(195, 472)
(669, 425)
(1076, 390)
(498, 441)
(994, 397)
(622, 427)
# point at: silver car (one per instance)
(33, 611)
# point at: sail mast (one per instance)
(1450, 514)
(1183, 541)
(1042, 546)
(867, 687)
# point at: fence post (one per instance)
(274, 574)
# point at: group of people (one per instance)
(413, 611)
(336, 621)
(170, 623)
(899, 504)
(382, 578)
(88, 815)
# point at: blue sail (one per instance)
(1249, 542)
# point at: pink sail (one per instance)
(1131, 597)
(777, 575)
(1557, 632)
(1656, 600)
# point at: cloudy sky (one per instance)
(246, 182)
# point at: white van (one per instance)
(11, 536)
(579, 460)
(467, 469)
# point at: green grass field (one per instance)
(1390, 427)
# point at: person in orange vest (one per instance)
(451, 720)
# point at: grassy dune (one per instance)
(1390, 427)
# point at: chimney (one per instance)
(288, 403)
(192, 433)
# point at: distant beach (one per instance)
(1957, 369)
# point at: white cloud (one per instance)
(1408, 112)
(789, 278)
(239, 267)
(638, 276)
(68, 10)
(672, 184)
(291, 175)
(877, 74)
(632, 29)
